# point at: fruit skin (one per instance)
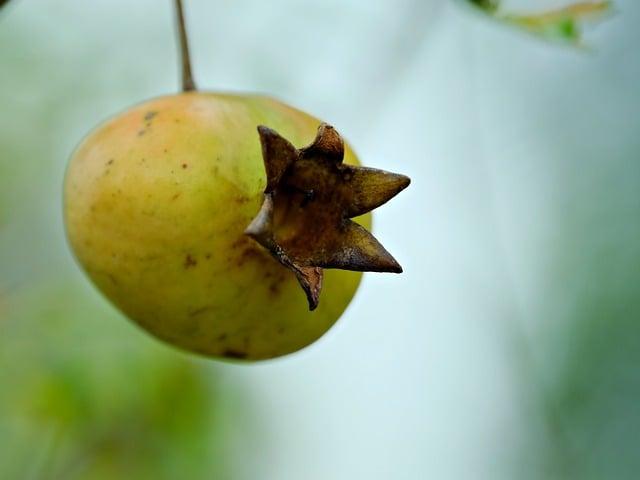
(156, 200)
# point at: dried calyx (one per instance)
(310, 198)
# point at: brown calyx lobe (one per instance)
(310, 198)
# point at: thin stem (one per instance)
(187, 78)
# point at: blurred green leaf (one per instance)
(559, 25)
(82, 400)
(489, 6)
(590, 354)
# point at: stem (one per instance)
(188, 84)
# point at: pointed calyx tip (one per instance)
(310, 198)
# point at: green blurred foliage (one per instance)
(593, 352)
(488, 6)
(82, 395)
(559, 25)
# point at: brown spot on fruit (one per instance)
(231, 353)
(274, 287)
(141, 132)
(189, 261)
(110, 162)
(149, 115)
(222, 336)
(199, 311)
(248, 254)
(184, 165)
(175, 197)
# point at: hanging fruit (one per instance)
(201, 215)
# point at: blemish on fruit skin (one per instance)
(175, 197)
(190, 331)
(184, 165)
(222, 337)
(147, 118)
(189, 261)
(274, 287)
(149, 115)
(231, 353)
(199, 311)
(240, 241)
(110, 162)
(248, 254)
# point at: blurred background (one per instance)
(509, 349)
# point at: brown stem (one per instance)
(188, 84)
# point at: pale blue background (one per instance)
(524, 162)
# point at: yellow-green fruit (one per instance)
(156, 203)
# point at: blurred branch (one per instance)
(559, 25)
(187, 76)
